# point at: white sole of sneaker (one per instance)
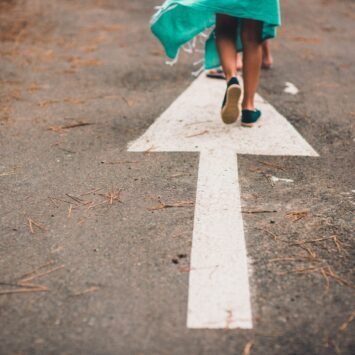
(231, 110)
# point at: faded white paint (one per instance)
(291, 89)
(219, 287)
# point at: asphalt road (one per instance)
(86, 265)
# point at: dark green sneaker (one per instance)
(249, 117)
(231, 103)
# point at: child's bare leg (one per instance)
(226, 38)
(219, 73)
(267, 57)
(252, 58)
(239, 62)
(267, 62)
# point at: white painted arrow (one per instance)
(219, 295)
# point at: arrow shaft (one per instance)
(219, 295)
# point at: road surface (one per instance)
(95, 241)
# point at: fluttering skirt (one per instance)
(178, 22)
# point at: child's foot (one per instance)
(231, 103)
(215, 74)
(250, 117)
(267, 63)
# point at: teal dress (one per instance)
(177, 22)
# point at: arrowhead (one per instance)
(192, 124)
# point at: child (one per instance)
(239, 25)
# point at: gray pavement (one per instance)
(90, 268)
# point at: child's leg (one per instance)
(252, 58)
(267, 57)
(219, 73)
(239, 62)
(268, 60)
(226, 27)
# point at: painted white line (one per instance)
(219, 286)
(219, 283)
(291, 89)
